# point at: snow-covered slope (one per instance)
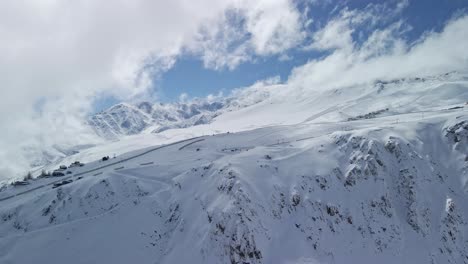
(363, 174)
(259, 106)
(380, 191)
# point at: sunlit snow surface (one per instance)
(364, 174)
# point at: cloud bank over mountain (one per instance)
(56, 57)
(383, 54)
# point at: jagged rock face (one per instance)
(126, 119)
(120, 119)
(363, 196)
(458, 134)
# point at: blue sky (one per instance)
(191, 77)
(188, 75)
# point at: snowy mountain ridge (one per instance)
(126, 119)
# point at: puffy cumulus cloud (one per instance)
(248, 29)
(382, 52)
(348, 28)
(336, 35)
(274, 26)
(57, 57)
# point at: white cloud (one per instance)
(275, 26)
(183, 97)
(385, 55)
(247, 29)
(336, 35)
(284, 57)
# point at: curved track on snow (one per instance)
(105, 166)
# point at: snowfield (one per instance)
(374, 173)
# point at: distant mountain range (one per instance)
(125, 119)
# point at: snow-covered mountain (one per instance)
(145, 117)
(373, 172)
(126, 119)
